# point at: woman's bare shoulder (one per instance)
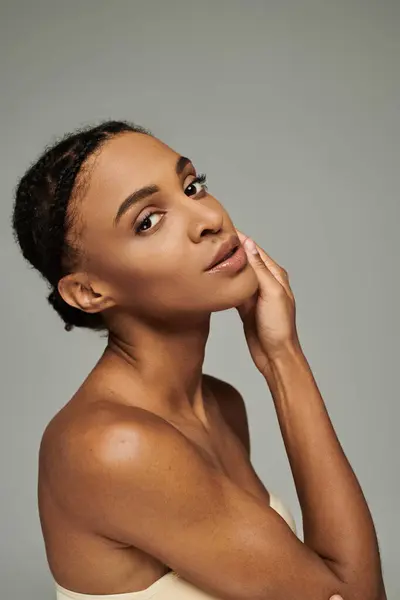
(77, 425)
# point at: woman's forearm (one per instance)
(336, 520)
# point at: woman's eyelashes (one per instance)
(200, 180)
(195, 187)
(145, 221)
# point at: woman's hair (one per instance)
(45, 212)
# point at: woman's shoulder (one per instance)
(82, 446)
(78, 425)
(83, 427)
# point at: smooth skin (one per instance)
(147, 468)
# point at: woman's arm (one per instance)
(337, 523)
(134, 478)
(336, 520)
(234, 411)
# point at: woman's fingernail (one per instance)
(250, 246)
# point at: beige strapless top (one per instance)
(170, 586)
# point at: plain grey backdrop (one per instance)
(292, 110)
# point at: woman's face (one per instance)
(152, 259)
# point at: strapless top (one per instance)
(170, 586)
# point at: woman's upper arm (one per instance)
(145, 484)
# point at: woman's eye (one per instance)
(196, 186)
(150, 219)
(147, 222)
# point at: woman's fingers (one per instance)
(256, 261)
(241, 235)
(278, 272)
(266, 258)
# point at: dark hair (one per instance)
(43, 214)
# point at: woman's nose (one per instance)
(206, 220)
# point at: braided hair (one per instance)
(43, 213)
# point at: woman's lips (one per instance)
(233, 264)
(225, 248)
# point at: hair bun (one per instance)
(61, 307)
(72, 316)
(52, 297)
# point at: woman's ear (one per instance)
(78, 291)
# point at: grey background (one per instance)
(292, 109)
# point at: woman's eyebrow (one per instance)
(146, 191)
(181, 164)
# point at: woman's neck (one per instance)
(167, 362)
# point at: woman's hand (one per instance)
(269, 317)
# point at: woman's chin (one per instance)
(238, 290)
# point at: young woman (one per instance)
(146, 489)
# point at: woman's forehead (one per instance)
(124, 164)
(135, 156)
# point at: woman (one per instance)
(146, 489)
